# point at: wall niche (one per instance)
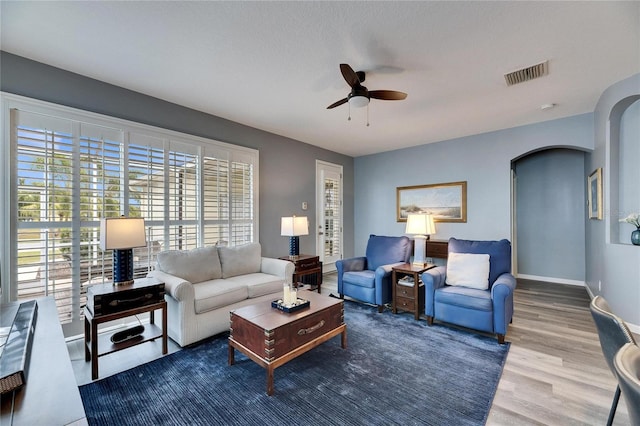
(624, 172)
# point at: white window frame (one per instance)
(8, 191)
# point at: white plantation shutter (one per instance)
(45, 185)
(183, 200)
(215, 175)
(72, 168)
(242, 207)
(332, 223)
(146, 169)
(102, 185)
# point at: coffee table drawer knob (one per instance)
(310, 330)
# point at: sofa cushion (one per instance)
(197, 265)
(468, 270)
(259, 284)
(240, 260)
(215, 294)
(364, 278)
(382, 250)
(465, 297)
(499, 252)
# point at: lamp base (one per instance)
(294, 247)
(419, 251)
(122, 267)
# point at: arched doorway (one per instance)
(549, 215)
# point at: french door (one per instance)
(329, 213)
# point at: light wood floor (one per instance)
(555, 373)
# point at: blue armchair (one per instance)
(368, 278)
(470, 306)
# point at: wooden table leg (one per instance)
(87, 339)
(231, 355)
(165, 348)
(343, 339)
(94, 350)
(269, 380)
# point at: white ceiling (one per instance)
(275, 65)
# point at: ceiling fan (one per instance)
(360, 95)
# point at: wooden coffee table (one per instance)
(272, 338)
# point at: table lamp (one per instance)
(421, 226)
(293, 227)
(122, 234)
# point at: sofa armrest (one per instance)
(278, 267)
(502, 297)
(179, 288)
(432, 279)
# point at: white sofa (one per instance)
(203, 285)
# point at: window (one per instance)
(71, 168)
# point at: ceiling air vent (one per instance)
(526, 74)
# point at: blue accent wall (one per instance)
(484, 161)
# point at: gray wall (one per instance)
(550, 215)
(612, 265)
(287, 166)
(484, 161)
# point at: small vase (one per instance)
(635, 237)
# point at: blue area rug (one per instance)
(395, 370)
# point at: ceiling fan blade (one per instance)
(387, 95)
(340, 102)
(349, 75)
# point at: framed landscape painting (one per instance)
(447, 202)
(594, 185)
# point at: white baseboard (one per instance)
(633, 327)
(552, 280)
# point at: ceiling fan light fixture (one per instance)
(358, 101)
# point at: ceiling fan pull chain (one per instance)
(367, 115)
(349, 119)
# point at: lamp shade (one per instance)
(294, 226)
(119, 233)
(420, 224)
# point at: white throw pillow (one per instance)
(468, 270)
(240, 260)
(195, 266)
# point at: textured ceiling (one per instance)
(275, 65)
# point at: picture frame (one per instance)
(447, 202)
(594, 198)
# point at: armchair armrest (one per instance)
(178, 288)
(384, 285)
(350, 264)
(432, 279)
(502, 297)
(278, 267)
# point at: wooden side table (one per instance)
(408, 290)
(106, 302)
(308, 270)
